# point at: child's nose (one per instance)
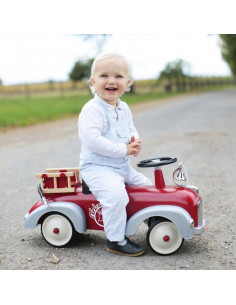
(111, 80)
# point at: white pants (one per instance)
(108, 186)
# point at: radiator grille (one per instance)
(200, 213)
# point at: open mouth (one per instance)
(111, 89)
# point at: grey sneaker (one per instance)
(129, 249)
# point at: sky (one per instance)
(38, 58)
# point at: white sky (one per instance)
(37, 58)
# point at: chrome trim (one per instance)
(193, 188)
(200, 212)
(201, 221)
(200, 229)
(191, 222)
(44, 200)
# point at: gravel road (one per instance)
(199, 129)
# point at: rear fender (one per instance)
(74, 212)
(177, 215)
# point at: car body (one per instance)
(173, 213)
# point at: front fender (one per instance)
(177, 215)
(74, 212)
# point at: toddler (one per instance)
(108, 137)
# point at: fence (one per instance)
(140, 86)
(182, 84)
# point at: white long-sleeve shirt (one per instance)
(93, 125)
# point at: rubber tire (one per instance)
(66, 230)
(163, 227)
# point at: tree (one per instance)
(175, 70)
(81, 70)
(228, 51)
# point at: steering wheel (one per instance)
(157, 162)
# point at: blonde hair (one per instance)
(103, 56)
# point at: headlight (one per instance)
(180, 176)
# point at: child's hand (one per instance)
(137, 142)
(132, 139)
(134, 147)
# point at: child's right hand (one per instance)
(134, 147)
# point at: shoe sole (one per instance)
(125, 254)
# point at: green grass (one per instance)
(23, 112)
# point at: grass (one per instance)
(23, 112)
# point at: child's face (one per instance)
(111, 79)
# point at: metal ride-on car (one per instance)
(173, 213)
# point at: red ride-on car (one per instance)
(173, 213)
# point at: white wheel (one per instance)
(57, 230)
(163, 237)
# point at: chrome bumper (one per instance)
(200, 229)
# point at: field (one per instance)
(23, 112)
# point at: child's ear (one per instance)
(129, 83)
(92, 80)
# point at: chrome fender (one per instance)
(177, 215)
(74, 212)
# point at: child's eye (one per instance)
(119, 76)
(103, 75)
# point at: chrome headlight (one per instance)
(180, 176)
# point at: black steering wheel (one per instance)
(157, 162)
